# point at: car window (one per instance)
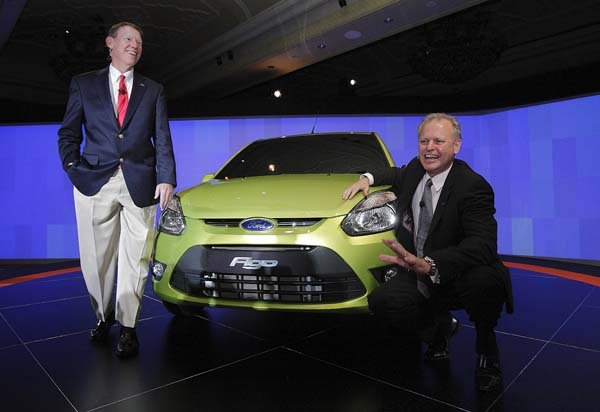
(317, 153)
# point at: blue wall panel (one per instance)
(541, 161)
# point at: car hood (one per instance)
(280, 196)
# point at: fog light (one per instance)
(390, 273)
(158, 270)
(384, 273)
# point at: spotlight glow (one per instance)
(353, 34)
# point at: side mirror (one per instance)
(207, 177)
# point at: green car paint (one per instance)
(307, 211)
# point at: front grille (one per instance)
(291, 274)
(284, 222)
(293, 289)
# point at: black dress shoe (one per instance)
(128, 345)
(102, 329)
(439, 349)
(488, 375)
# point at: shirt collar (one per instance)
(439, 179)
(115, 73)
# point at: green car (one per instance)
(270, 229)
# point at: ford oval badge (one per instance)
(257, 224)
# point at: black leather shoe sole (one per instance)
(438, 351)
(488, 381)
(488, 375)
(128, 345)
(100, 333)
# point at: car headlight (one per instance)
(376, 213)
(171, 219)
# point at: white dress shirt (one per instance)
(114, 78)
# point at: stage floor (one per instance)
(238, 360)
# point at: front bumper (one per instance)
(317, 267)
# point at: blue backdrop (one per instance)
(541, 161)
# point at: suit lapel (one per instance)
(406, 228)
(414, 174)
(139, 88)
(444, 196)
(103, 90)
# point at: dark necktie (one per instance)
(425, 216)
(122, 101)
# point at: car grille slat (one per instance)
(270, 288)
(283, 222)
(297, 222)
(250, 287)
(223, 222)
(264, 248)
(223, 278)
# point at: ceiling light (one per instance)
(277, 93)
(322, 45)
(388, 20)
(353, 82)
(353, 34)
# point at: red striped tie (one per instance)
(122, 102)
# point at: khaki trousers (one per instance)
(114, 233)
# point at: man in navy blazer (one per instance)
(455, 264)
(125, 168)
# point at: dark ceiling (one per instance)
(225, 57)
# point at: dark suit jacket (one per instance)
(463, 231)
(143, 145)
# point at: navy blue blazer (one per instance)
(142, 146)
(463, 232)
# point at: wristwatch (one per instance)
(73, 163)
(433, 271)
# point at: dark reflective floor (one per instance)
(234, 360)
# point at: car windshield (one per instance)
(307, 154)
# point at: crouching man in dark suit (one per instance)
(125, 168)
(446, 249)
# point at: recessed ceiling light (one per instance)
(353, 34)
(277, 93)
(322, 45)
(388, 20)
